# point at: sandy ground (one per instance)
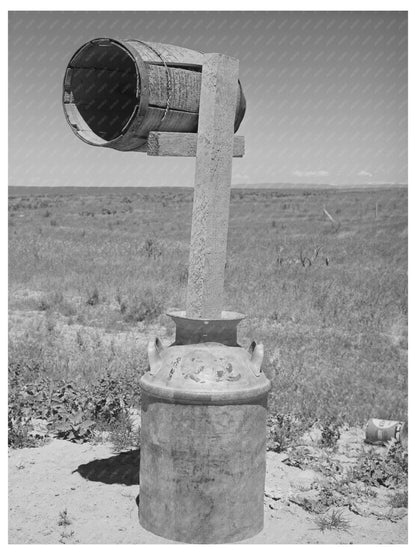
(98, 489)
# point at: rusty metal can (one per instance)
(381, 431)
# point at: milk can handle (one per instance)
(257, 353)
(154, 350)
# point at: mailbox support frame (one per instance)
(214, 147)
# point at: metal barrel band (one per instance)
(168, 80)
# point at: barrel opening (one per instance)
(100, 90)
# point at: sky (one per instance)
(326, 96)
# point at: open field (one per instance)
(92, 271)
(88, 268)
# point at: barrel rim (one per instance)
(142, 95)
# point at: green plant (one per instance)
(333, 520)
(122, 434)
(151, 248)
(330, 433)
(63, 519)
(389, 469)
(62, 406)
(55, 302)
(145, 308)
(19, 428)
(284, 431)
(94, 297)
(301, 456)
(399, 499)
(109, 400)
(67, 412)
(330, 496)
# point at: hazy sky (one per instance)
(326, 96)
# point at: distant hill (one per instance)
(290, 185)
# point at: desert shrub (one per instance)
(109, 399)
(56, 302)
(93, 297)
(62, 408)
(20, 428)
(333, 520)
(122, 434)
(44, 405)
(387, 469)
(122, 303)
(139, 309)
(284, 430)
(399, 499)
(66, 410)
(330, 433)
(151, 248)
(50, 301)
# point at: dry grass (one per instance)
(333, 520)
(328, 301)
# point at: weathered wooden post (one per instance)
(204, 400)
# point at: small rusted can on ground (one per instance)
(381, 431)
(203, 435)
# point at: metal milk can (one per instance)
(203, 438)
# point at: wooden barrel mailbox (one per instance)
(117, 91)
(204, 399)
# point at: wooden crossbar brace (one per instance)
(161, 143)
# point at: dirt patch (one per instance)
(85, 493)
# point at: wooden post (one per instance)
(212, 186)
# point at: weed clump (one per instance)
(41, 407)
(151, 248)
(389, 469)
(55, 302)
(93, 298)
(330, 434)
(139, 309)
(399, 499)
(123, 436)
(63, 519)
(333, 520)
(284, 431)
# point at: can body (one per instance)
(202, 469)
(203, 434)
(381, 431)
